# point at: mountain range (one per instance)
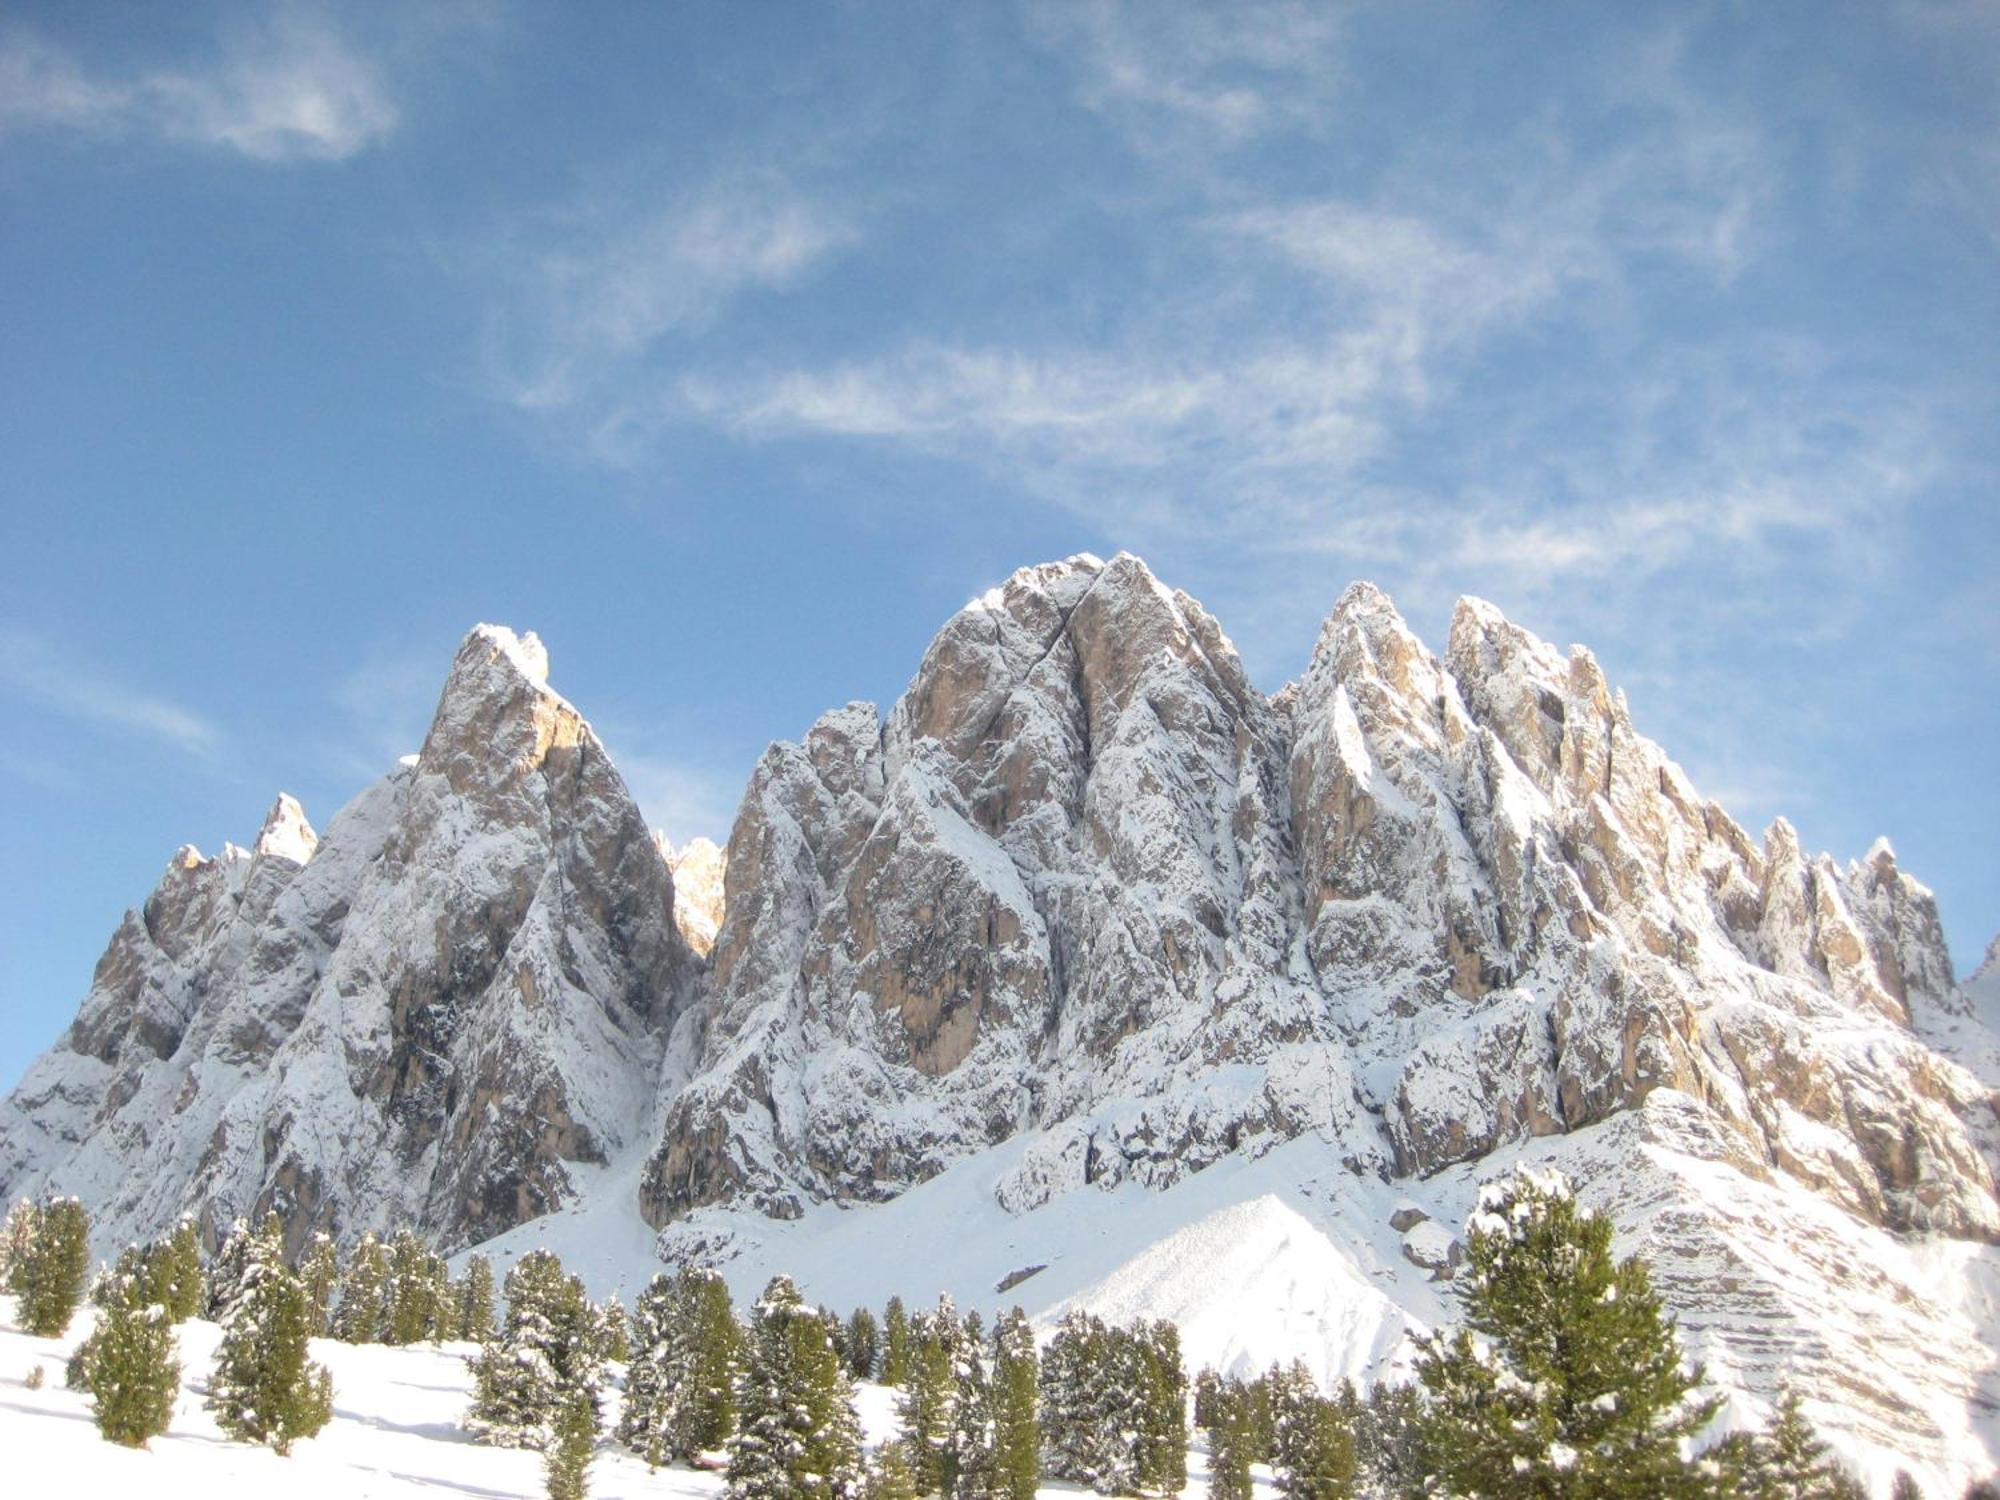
(1091, 969)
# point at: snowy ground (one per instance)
(394, 1433)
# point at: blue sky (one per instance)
(732, 347)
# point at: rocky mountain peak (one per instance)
(286, 834)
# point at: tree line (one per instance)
(1565, 1380)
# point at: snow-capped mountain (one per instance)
(1087, 916)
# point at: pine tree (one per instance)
(1223, 1410)
(679, 1385)
(48, 1278)
(1074, 1442)
(614, 1332)
(566, 1461)
(1787, 1461)
(969, 1471)
(475, 1301)
(1314, 1443)
(929, 1405)
(1159, 1457)
(266, 1388)
(895, 1343)
(174, 1272)
(888, 1476)
(798, 1437)
(15, 1240)
(242, 1248)
(1568, 1378)
(412, 1313)
(127, 1364)
(1905, 1487)
(863, 1345)
(319, 1272)
(1017, 1437)
(364, 1295)
(550, 1349)
(1389, 1455)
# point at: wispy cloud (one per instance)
(1232, 72)
(680, 799)
(290, 89)
(39, 672)
(590, 291)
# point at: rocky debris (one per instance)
(1431, 1247)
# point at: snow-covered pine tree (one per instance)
(174, 1272)
(929, 1405)
(1786, 1461)
(127, 1364)
(1073, 1447)
(680, 1383)
(798, 1437)
(49, 1275)
(266, 1387)
(364, 1294)
(1017, 1438)
(1314, 1443)
(1389, 1440)
(614, 1332)
(1222, 1409)
(412, 1313)
(895, 1343)
(242, 1247)
(863, 1344)
(1568, 1377)
(550, 1348)
(319, 1272)
(888, 1476)
(15, 1239)
(969, 1469)
(474, 1298)
(1159, 1459)
(566, 1460)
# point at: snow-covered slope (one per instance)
(1089, 955)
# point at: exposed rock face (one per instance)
(698, 871)
(418, 1019)
(1086, 881)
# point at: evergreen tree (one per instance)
(1905, 1487)
(551, 1348)
(1159, 1448)
(364, 1295)
(863, 1345)
(1207, 1387)
(1568, 1378)
(798, 1437)
(888, 1476)
(266, 1388)
(1223, 1410)
(680, 1383)
(614, 1332)
(1314, 1444)
(895, 1344)
(1017, 1438)
(413, 1312)
(319, 1272)
(1075, 1442)
(1787, 1461)
(566, 1462)
(1389, 1455)
(242, 1248)
(127, 1364)
(475, 1301)
(15, 1239)
(48, 1277)
(970, 1472)
(930, 1397)
(174, 1272)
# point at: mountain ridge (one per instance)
(1086, 894)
